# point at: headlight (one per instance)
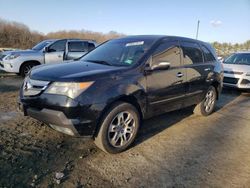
(12, 56)
(70, 89)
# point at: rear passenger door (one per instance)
(197, 72)
(166, 88)
(76, 49)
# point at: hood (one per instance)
(236, 67)
(20, 52)
(73, 71)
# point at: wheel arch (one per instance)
(27, 62)
(131, 99)
(217, 86)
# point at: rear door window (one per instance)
(77, 46)
(192, 53)
(208, 56)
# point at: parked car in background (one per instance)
(108, 92)
(237, 70)
(48, 51)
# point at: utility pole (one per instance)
(197, 32)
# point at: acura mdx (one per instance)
(107, 93)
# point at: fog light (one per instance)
(245, 82)
(62, 130)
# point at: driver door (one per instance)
(166, 88)
(55, 52)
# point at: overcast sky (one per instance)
(220, 20)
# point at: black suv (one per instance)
(109, 91)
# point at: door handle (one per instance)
(59, 55)
(207, 69)
(179, 74)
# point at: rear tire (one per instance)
(207, 105)
(25, 68)
(118, 128)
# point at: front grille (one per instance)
(230, 80)
(233, 72)
(245, 82)
(33, 87)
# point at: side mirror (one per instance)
(161, 66)
(46, 49)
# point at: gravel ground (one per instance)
(177, 149)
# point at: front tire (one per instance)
(207, 105)
(119, 127)
(25, 68)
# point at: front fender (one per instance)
(108, 91)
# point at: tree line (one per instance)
(18, 35)
(224, 49)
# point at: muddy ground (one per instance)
(177, 149)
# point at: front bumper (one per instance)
(56, 119)
(9, 66)
(62, 113)
(236, 81)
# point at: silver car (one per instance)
(47, 51)
(237, 70)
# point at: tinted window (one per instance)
(168, 51)
(58, 46)
(77, 46)
(91, 46)
(208, 56)
(191, 53)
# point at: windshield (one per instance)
(41, 45)
(120, 52)
(243, 58)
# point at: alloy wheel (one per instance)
(209, 101)
(121, 129)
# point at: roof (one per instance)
(243, 52)
(51, 40)
(158, 37)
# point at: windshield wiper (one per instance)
(100, 62)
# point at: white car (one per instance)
(237, 70)
(47, 51)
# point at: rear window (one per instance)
(208, 56)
